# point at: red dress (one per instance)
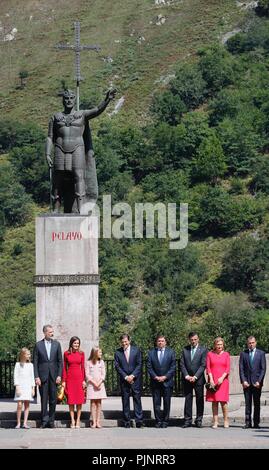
(73, 376)
(217, 364)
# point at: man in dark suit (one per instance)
(128, 364)
(192, 366)
(252, 368)
(161, 368)
(48, 364)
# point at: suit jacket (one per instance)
(133, 367)
(254, 373)
(168, 366)
(196, 366)
(44, 367)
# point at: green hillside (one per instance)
(194, 127)
(138, 65)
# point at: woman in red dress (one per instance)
(73, 379)
(218, 369)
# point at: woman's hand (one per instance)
(84, 384)
(18, 391)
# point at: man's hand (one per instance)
(49, 161)
(245, 384)
(38, 381)
(257, 385)
(161, 378)
(111, 94)
(58, 380)
(130, 379)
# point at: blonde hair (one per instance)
(216, 340)
(22, 355)
(94, 354)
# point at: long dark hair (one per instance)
(72, 340)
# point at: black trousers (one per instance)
(199, 395)
(252, 393)
(48, 394)
(128, 390)
(159, 391)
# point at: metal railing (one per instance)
(112, 382)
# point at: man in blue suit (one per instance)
(128, 364)
(161, 368)
(252, 368)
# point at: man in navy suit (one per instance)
(128, 364)
(161, 368)
(252, 368)
(48, 365)
(192, 365)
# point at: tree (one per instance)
(32, 170)
(216, 66)
(245, 263)
(14, 202)
(189, 85)
(168, 107)
(209, 163)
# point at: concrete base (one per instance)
(67, 278)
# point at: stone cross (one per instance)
(77, 48)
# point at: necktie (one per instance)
(161, 356)
(192, 353)
(251, 357)
(126, 355)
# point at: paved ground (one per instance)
(148, 438)
(174, 437)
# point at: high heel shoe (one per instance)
(72, 425)
(98, 425)
(226, 424)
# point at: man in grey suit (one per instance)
(48, 365)
(192, 365)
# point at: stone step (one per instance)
(111, 423)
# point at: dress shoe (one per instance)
(158, 425)
(256, 426)
(186, 425)
(51, 425)
(127, 425)
(247, 426)
(44, 425)
(198, 425)
(140, 425)
(164, 425)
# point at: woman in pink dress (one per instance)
(218, 369)
(95, 374)
(73, 379)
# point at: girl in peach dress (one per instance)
(95, 375)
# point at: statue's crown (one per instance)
(68, 94)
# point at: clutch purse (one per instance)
(210, 387)
(60, 394)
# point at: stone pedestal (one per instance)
(67, 278)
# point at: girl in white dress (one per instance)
(95, 375)
(24, 382)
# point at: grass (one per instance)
(189, 25)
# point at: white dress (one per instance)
(24, 378)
